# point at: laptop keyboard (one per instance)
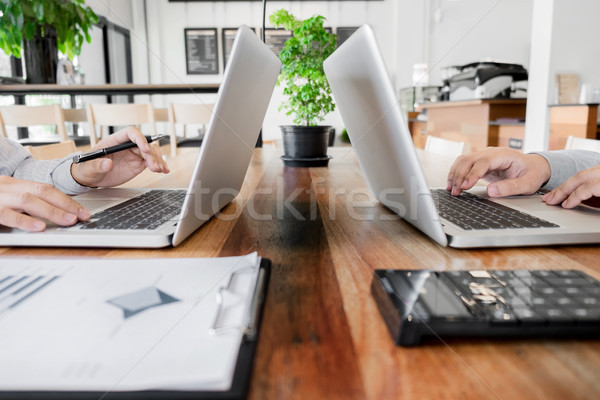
(471, 212)
(146, 211)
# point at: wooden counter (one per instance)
(508, 134)
(417, 128)
(470, 120)
(580, 120)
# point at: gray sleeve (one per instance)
(15, 161)
(566, 163)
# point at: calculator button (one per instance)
(572, 290)
(500, 315)
(563, 301)
(527, 315)
(589, 301)
(553, 314)
(586, 314)
(593, 290)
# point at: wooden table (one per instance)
(322, 336)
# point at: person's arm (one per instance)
(71, 179)
(575, 177)
(566, 163)
(18, 163)
(32, 189)
(23, 202)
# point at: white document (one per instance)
(122, 324)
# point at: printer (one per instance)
(485, 80)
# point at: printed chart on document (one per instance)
(83, 324)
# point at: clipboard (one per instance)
(241, 376)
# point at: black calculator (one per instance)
(422, 304)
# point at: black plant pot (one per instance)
(41, 57)
(305, 146)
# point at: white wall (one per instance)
(166, 22)
(467, 31)
(571, 39)
(117, 11)
(576, 41)
(91, 60)
(406, 30)
(411, 40)
(166, 47)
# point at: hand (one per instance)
(577, 189)
(510, 171)
(117, 168)
(22, 201)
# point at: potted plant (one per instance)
(308, 95)
(44, 27)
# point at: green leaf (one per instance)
(38, 10)
(30, 28)
(302, 74)
(71, 19)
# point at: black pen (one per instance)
(92, 155)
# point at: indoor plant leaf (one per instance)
(71, 19)
(302, 74)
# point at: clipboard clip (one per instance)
(250, 324)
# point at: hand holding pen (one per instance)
(92, 155)
(118, 158)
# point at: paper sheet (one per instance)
(121, 324)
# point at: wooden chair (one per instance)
(161, 114)
(25, 116)
(106, 115)
(451, 148)
(52, 151)
(77, 116)
(186, 114)
(579, 143)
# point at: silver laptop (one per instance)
(223, 160)
(386, 154)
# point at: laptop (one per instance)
(223, 160)
(387, 157)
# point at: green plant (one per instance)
(71, 20)
(344, 136)
(306, 87)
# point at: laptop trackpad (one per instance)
(94, 206)
(529, 204)
(103, 198)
